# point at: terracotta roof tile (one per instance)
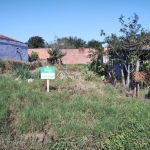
(8, 38)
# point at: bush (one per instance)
(33, 57)
(11, 65)
(1, 63)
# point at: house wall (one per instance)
(76, 56)
(13, 50)
(73, 56)
(42, 53)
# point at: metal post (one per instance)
(47, 85)
(137, 69)
(137, 90)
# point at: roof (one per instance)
(8, 38)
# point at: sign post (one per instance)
(47, 73)
(47, 85)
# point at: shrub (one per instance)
(11, 65)
(34, 56)
(1, 66)
(1, 63)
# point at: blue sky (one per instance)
(22, 19)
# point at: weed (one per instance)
(23, 72)
(1, 63)
(98, 118)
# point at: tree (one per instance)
(125, 50)
(65, 43)
(36, 42)
(70, 42)
(55, 52)
(77, 42)
(93, 44)
(96, 52)
(129, 47)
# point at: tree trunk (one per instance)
(128, 77)
(123, 80)
(137, 69)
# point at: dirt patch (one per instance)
(80, 86)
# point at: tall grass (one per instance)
(23, 72)
(77, 121)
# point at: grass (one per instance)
(76, 114)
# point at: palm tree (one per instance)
(55, 54)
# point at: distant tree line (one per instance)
(64, 43)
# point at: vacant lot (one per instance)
(78, 113)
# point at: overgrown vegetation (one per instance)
(82, 111)
(23, 72)
(97, 65)
(55, 53)
(1, 63)
(9, 65)
(1, 66)
(78, 113)
(129, 49)
(33, 57)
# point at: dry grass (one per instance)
(11, 65)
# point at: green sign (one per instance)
(47, 72)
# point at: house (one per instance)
(120, 61)
(13, 49)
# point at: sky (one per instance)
(22, 19)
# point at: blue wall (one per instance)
(13, 50)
